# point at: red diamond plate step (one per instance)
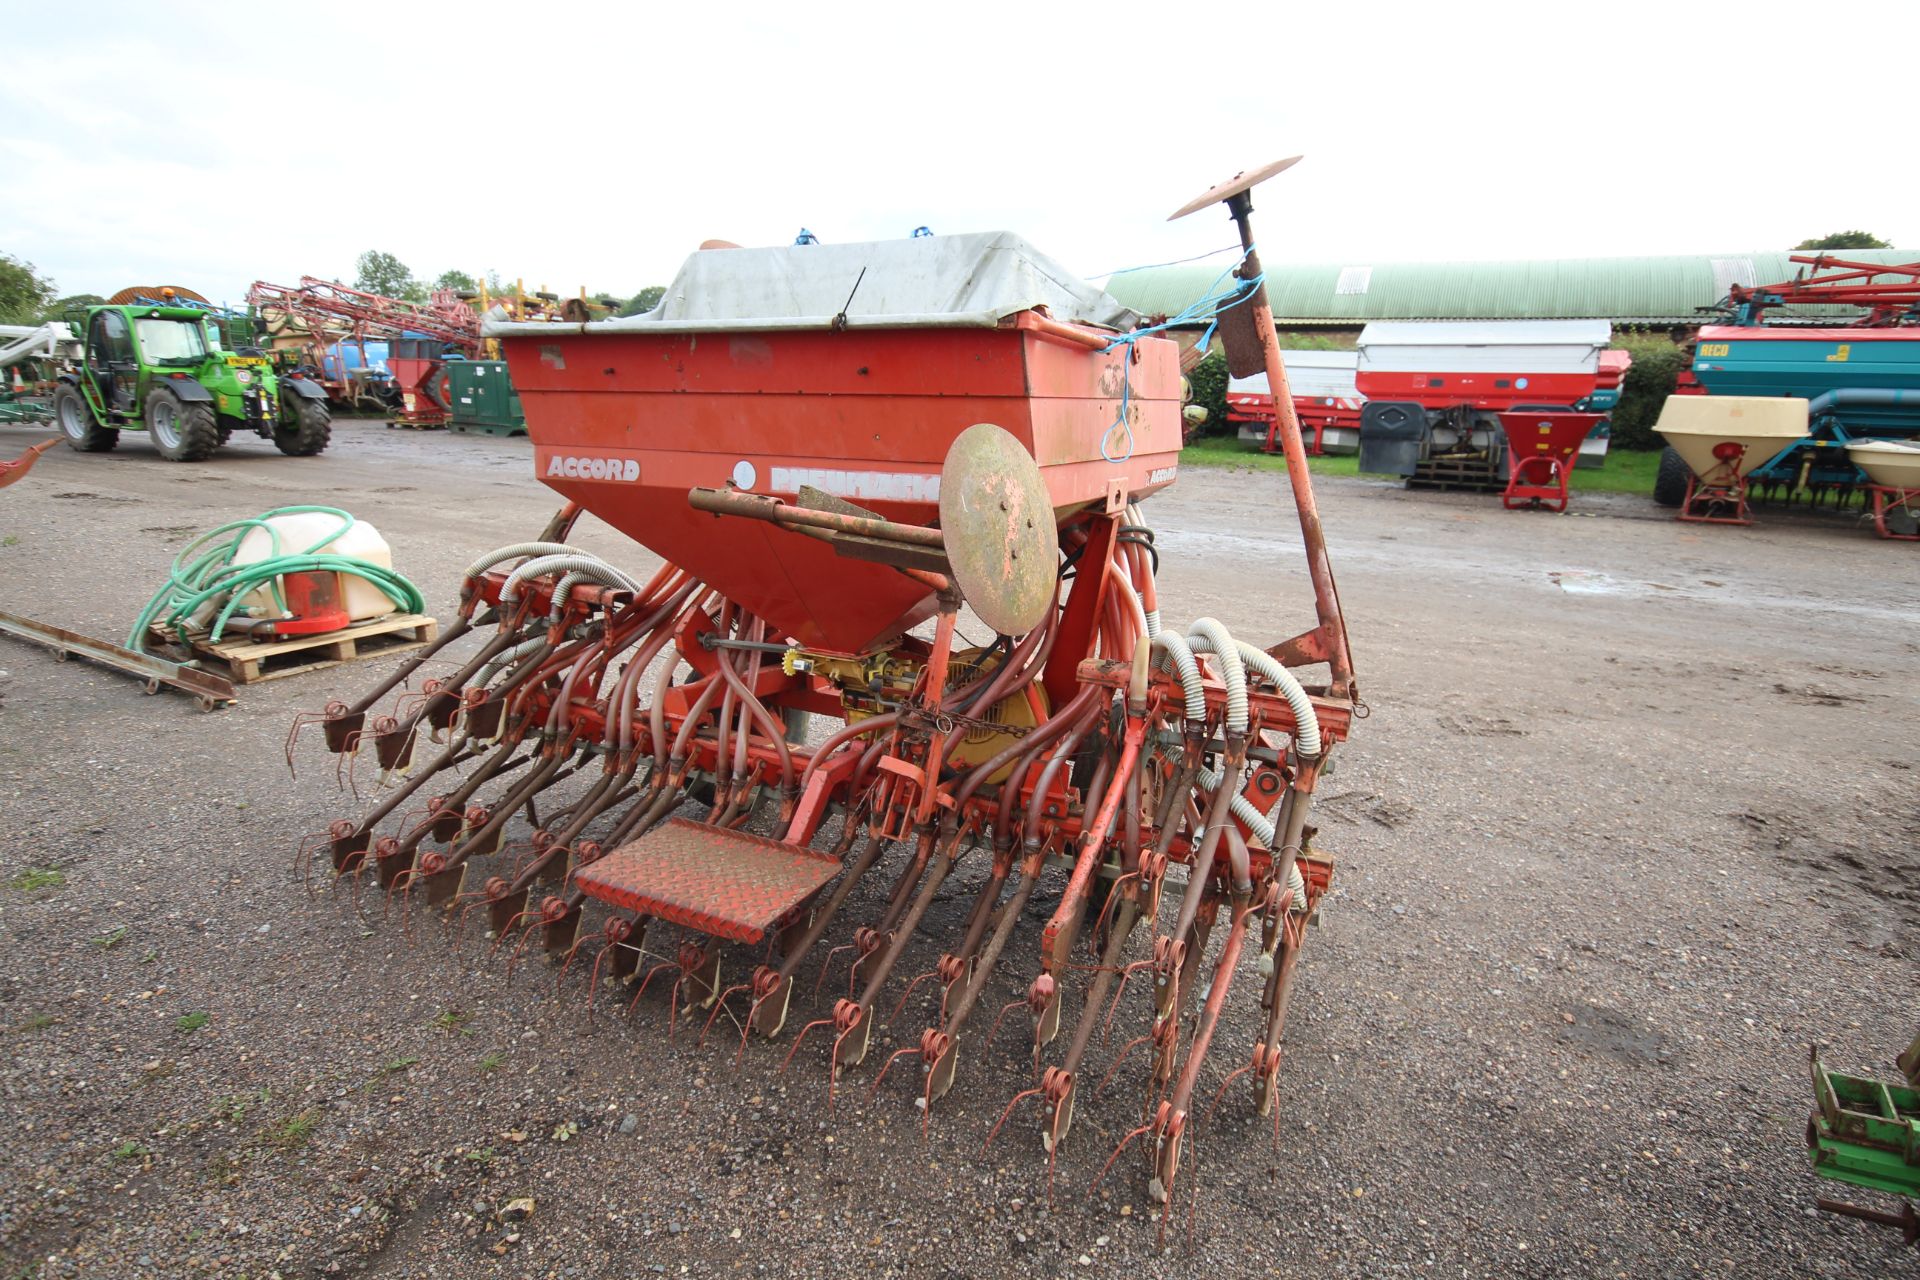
(726, 883)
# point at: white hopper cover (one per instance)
(973, 280)
(1483, 346)
(1315, 374)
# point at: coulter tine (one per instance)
(1227, 1083)
(1018, 1098)
(911, 1051)
(1006, 1009)
(1125, 1049)
(566, 965)
(800, 1039)
(908, 993)
(827, 964)
(641, 989)
(719, 1006)
(1125, 1142)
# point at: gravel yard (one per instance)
(1633, 821)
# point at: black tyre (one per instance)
(77, 424)
(1670, 481)
(183, 431)
(310, 430)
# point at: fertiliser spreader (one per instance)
(849, 456)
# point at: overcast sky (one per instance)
(597, 144)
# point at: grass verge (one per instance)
(1623, 472)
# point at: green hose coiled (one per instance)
(204, 572)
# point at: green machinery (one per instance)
(1867, 1132)
(482, 399)
(29, 350)
(184, 376)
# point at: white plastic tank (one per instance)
(297, 534)
(1759, 427)
(1892, 463)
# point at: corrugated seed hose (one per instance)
(1258, 823)
(1306, 717)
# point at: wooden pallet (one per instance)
(1470, 474)
(246, 662)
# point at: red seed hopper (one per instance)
(627, 417)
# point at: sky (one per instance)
(586, 145)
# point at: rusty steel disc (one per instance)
(1234, 186)
(999, 530)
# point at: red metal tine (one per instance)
(849, 1013)
(1004, 1011)
(788, 1060)
(827, 964)
(526, 933)
(1259, 1051)
(512, 924)
(766, 982)
(567, 964)
(642, 988)
(1126, 973)
(719, 1003)
(1018, 1098)
(908, 993)
(895, 1056)
(593, 978)
(1125, 1049)
(1131, 1134)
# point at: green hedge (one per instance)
(1209, 379)
(1657, 364)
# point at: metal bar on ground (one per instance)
(210, 689)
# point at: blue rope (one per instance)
(1209, 307)
(1155, 266)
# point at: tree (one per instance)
(645, 300)
(1846, 240)
(58, 308)
(24, 292)
(1655, 372)
(386, 275)
(1209, 382)
(457, 280)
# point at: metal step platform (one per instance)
(729, 884)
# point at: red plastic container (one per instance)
(625, 421)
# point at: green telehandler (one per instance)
(177, 373)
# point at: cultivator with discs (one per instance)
(623, 772)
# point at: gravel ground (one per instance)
(1632, 822)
